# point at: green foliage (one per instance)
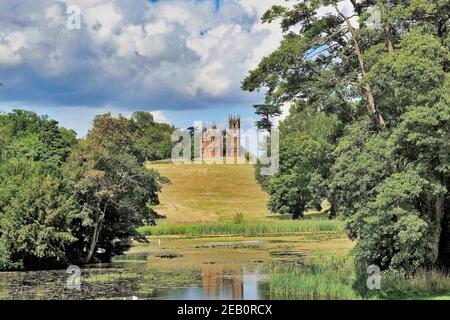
(424, 284)
(139, 135)
(108, 176)
(64, 201)
(323, 277)
(238, 218)
(111, 277)
(263, 180)
(26, 135)
(389, 185)
(36, 207)
(412, 76)
(6, 262)
(266, 111)
(291, 189)
(376, 100)
(323, 128)
(334, 277)
(154, 142)
(36, 213)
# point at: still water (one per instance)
(171, 268)
(216, 284)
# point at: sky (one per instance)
(182, 60)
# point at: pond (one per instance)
(175, 268)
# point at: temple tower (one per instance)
(234, 131)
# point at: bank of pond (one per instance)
(305, 265)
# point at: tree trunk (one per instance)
(296, 216)
(332, 212)
(96, 234)
(443, 219)
(371, 107)
(390, 42)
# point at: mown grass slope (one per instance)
(211, 193)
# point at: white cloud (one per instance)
(159, 116)
(177, 57)
(7, 55)
(285, 108)
(104, 18)
(258, 7)
(175, 54)
(166, 57)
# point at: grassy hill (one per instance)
(204, 199)
(209, 193)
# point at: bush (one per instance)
(238, 218)
(37, 212)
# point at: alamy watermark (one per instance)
(74, 17)
(374, 277)
(74, 280)
(374, 20)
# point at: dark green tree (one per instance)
(384, 91)
(154, 142)
(291, 189)
(27, 135)
(68, 201)
(266, 111)
(36, 213)
(108, 176)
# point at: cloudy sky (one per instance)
(183, 60)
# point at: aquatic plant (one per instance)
(248, 229)
(323, 277)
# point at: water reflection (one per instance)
(143, 280)
(219, 283)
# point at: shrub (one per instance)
(238, 218)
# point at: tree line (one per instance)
(368, 127)
(65, 200)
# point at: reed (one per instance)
(322, 278)
(245, 228)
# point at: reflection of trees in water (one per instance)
(219, 282)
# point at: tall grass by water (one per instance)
(323, 277)
(335, 277)
(425, 284)
(249, 229)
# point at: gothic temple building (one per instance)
(225, 143)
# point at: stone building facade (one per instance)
(225, 143)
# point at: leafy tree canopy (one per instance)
(376, 99)
(68, 201)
